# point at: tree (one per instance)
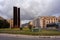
(4, 24)
(30, 26)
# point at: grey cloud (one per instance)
(30, 8)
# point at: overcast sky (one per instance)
(30, 8)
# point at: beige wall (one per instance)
(11, 23)
(44, 20)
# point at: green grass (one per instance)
(26, 31)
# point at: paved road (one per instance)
(3, 37)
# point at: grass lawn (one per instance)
(26, 31)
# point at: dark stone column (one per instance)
(18, 22)
(14, 17)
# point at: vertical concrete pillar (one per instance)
(18, 18)
(14, 17)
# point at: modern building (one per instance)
(35, 22)
(42, 21)
(47, 20)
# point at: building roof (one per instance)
(1, 18)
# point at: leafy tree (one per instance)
(4, 24)
(30, 26)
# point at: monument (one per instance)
(16, 17)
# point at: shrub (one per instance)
(21, 28)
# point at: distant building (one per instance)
(42, 21)
(59, 18)
(1, 18)
(47, 20)
(10, 21)
(24, 25)
(35, 22)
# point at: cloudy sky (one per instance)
(30, 8)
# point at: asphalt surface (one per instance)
(4, 37)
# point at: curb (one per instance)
(28, 36)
